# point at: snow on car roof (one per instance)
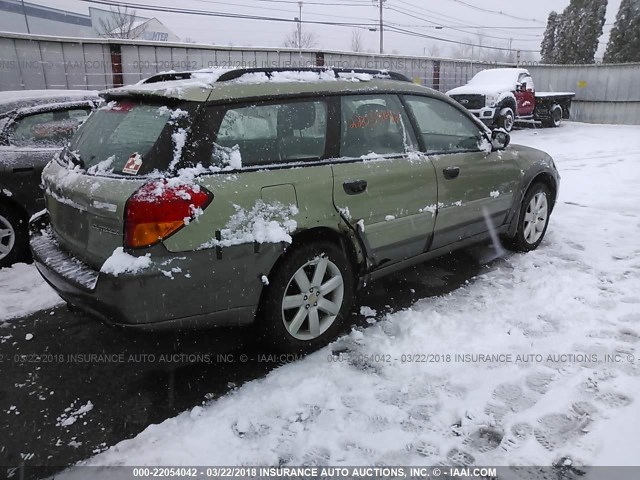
(20, 95)
(11, 100)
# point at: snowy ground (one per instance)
(564, 319)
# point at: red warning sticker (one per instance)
(133, 164)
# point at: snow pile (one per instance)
(121, 262)
(264, 223)
(102, 167)
(23, 291)
(229, 157)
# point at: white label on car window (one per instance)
(133, 165)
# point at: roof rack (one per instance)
(237, 73)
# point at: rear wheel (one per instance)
(13, 236)
(533, 220)
(555, 119)
(506, 119)
(307, 299)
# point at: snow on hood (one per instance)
(490, 82)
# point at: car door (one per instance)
(474, 183)
(383, 187)
(31, 139)
(525, 95)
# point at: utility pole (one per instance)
(300, 28)
(381, 4)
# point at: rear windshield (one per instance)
(127, 137)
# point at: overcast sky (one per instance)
(501, 20)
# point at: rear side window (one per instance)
(122, 131)
(48, 129)
(443, 127)
(270, 134)
(373, 124)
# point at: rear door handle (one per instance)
(354, 187)
(451, 172)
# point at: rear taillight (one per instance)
(158, 210)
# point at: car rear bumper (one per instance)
(177, 291)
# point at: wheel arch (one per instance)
(15, 206)
(542, 176)
(319, 234)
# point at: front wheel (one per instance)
(13, 236)
(533, 219)
(506, 119)
(308, 298)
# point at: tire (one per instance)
(525, 240)
(289, 326)
(506, 119)
(556, 117)
(14, 237)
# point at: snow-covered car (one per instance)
(271, 195)
(501, 97)
(34, 125)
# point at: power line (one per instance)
(424, 35)
(497, 12)
(410, 14)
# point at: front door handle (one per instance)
(354, 187)
(451, 172)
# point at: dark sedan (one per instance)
(34, 126)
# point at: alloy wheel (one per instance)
(7, 237)
(535, 218)
(312, 299)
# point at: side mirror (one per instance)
(500, 140)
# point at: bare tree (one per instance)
(356, 40)
(434, 51)
(308, 40)
(121, 23)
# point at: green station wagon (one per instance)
(269, 196)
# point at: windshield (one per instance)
(121, 136)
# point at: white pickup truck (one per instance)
(501, 97)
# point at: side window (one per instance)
(274, 133)
(47, 129)
(443, 127)
(375, 124)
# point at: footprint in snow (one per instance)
(484, 440)
(540, 382)
(425, 449)
(316, 457)
(517, 435)
(613, 399)
(558, 429)
(460, 458)
(627, 335)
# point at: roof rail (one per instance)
(237, 73)
(233, 74)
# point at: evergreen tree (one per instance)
(624, 42)
(548, 47)
(578, 32)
